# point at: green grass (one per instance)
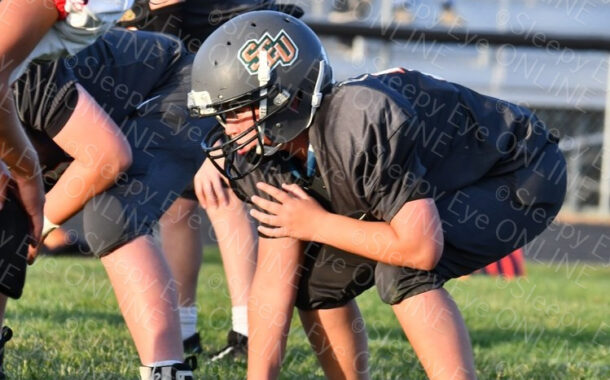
(554, 324)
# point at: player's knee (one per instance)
(105, 224)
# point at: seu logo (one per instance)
(281, 50)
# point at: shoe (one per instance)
(178, 371)
(5, 336)
(236, 348)
(192, 345)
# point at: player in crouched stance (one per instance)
(400, 179)
(121, 148)
(32, 30)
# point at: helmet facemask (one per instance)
(219, 146)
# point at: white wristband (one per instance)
(47, 227)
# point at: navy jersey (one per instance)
(383, 140)
(119, 70)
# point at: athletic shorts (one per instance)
(481, 223)
(14, 235)
(165, 144)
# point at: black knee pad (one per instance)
(14, 241)
(395, 284)
(107, 224)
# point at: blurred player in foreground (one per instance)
(122, 149)
(180, 228)
(33, 30)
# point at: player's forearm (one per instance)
(77, 185)
(15, 148)
(271, 304)
(378, 241)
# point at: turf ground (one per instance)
(553, 324)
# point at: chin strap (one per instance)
(264, 75)
(270, 150)
(316, 97)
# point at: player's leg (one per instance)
(238, 246)
(118, 226)
(436, 330)
(429, 318)
(481, 224)
(146, 294)
(182, 244)
(338, 337)
(330, 282)
(14, 232)
(5, 334)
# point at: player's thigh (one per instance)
(332, 277)
(484, 222)
(132, 207)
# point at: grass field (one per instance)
(554, 324)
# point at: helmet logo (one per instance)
(281, 50)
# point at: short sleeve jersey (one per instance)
(119, 70)
(383, 140)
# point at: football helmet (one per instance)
(263, 60)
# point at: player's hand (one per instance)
(210, 186)
(31, 195)
(295, 214)
(33, 253)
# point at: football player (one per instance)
(399, 179)
(114, 138)
(181, 235)
(42, 30)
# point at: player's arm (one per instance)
(100, 151)
(210, 186)
(270, 305)
(413, 238)
(23, 23)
